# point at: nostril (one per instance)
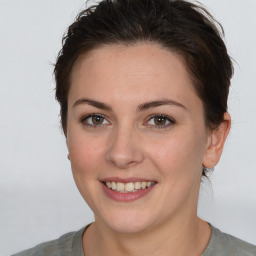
(124, 150)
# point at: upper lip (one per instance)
(125, 180)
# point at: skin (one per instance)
(129, 143)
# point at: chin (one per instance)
(128, 222)
(128, 227)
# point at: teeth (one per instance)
(149, 184)
(119, 186)
(113, 185)
(144, 184)
(137, 185)
(128, 187)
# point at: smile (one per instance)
(129, 186)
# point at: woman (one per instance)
(143, 89)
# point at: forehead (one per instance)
(130, 73)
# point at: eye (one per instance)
(160, 121)
(94, 120)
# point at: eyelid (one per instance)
(170, 119)
(86, 117)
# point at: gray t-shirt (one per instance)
(70, 244)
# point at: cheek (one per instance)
(178, 155)
(85, 154)
(86, 159)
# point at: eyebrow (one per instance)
(157, 103)
(93, 103)
(140, 108)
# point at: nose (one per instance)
(124, 149)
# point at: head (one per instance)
(176, 25)
(184, 38)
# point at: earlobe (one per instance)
(216, 142)
(67, 143)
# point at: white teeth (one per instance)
(113, 185)
(128, 187)
(149, 184)
(144, 184)
(137, 185)
(119, 186)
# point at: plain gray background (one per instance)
(38, 197)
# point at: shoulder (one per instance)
(66, 245)
(236, 246)
(223, 244)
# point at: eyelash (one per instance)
(85, 118)
(166, 118)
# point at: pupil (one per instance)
(159, 120)
(97, 120)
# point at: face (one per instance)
(136, 136)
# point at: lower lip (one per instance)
(126, 197)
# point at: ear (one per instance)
(216, 141)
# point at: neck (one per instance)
(185, 237)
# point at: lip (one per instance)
(125, 180)
(129, 196)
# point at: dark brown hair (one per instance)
(177, 25)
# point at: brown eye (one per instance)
(97, 119)
(159, 120)
(94, 120)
